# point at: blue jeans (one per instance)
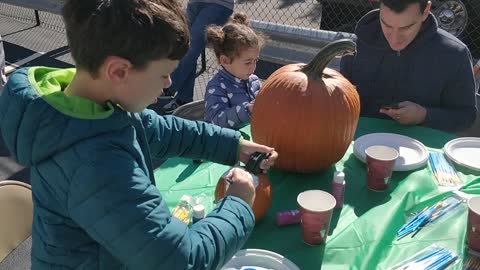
(200, 15)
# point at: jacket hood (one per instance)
(369, 31)
(38, 120)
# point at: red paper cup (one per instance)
(473, 224)
(316, 208)
(380, 163)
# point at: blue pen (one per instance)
(415, 223)
(431, 259)
(446, 209)
(429, 255)
(412, 222)
(424, 217)
(443, 262)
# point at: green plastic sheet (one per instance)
(363, 233)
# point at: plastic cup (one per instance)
(380, 162)
(473, 224)
(316, 207)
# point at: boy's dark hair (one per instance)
(137, 30)
(233, 37)
(400, 5)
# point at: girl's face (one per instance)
(243, 65)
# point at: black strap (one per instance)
(253, 164)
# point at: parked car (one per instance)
(459, 17)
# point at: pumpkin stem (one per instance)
(314, 69)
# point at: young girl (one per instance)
(231, 93)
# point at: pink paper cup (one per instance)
(473, 224)
(316, 207)
(380, 162)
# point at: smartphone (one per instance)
(391, 106)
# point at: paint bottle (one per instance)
(288, 217)
(183, 210)
(338, 188)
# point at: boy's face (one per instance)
(140, 88)
(400, 29)
(243, 65)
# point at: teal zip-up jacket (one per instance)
(95, 203)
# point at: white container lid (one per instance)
(339, 177)
(199, 211)
(259, 259)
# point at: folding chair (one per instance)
(16, 215)
(192, 111)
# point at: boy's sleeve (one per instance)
(458, 110)
(171, 136)
(114, 202)
(220, 111)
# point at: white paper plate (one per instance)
(464, 151)
(413, 154)
(259, 259)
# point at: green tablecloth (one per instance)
(362, 233)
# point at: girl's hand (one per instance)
(250, 106)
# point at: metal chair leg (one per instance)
(37, 18)
(204, 64)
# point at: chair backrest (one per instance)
(16, 215)
(192, 111)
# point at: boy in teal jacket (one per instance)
(88, 140)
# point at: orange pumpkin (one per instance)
(263, 195)
(309, 113)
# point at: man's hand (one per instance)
(247, 148)
(408, 113)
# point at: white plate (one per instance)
(413, 154)
(464, 151)
(259, 259)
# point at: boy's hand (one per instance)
(242, 185)
(247, 148)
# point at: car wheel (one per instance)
(452, 15)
